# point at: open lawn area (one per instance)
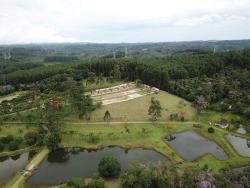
(130, 135)
(137, 109)
(15, 130)
(212, 116)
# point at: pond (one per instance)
(239, 144)
(241, 130)
(10, 165)
(64, 164)
(190, 145)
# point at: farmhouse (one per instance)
(222, 124)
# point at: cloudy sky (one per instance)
(40, 21)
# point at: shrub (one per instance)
(210, 129)
(197, 125)
(1, 147)
(13, 145)
(7, 139)
(137, 176)
(109, 167)
(92, 138)
(95, 183)
(182, 118)
(76, 183)
(31, 137)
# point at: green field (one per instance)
(137, 109)
(144, 135)
(15, 130)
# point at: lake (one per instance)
(239, 144)
(64, 164)
(190, 145)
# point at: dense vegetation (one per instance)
(217, 81)
(139, 176)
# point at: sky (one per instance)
(114, 21)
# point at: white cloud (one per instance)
(25, 21)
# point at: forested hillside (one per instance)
(219, 81)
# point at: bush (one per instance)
(95, 183)
(31, 137)
(1, 147)
(137, 176)
(92, 138)
(7, 139)
(210, 129)
(13, 145)
(109, 167)
(76, 183)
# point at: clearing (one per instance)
(134, 106)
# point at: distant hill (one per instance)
(39, 52)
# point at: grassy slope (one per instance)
(137, 109)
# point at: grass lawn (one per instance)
(212, 116)
(137, 109)
(140, 135)
(109, 183)
(15, 130)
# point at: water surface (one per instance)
(190, 145)
(241, 130)
(239, 144)
(10, 165)
(64, 164)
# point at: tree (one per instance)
(154, 109)
(52, 140)
(1, 121)
(29, 118)
(210, 129)
(107, 116)
(14, 144)
(1, 147)
(117, 72)
(109, 167)
(31, 137)
(136, 176)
